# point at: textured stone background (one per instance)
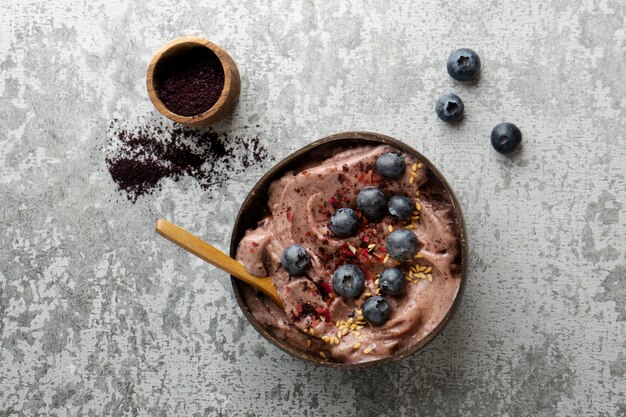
(102, 317)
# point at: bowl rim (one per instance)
(279, 169)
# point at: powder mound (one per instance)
(190, 83)
(138, 157)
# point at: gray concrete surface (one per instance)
(101, 317)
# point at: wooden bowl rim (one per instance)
(221, 54)
(349, 138)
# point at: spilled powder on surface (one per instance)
(139, 156)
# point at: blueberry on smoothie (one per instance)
(402, 244)
(372, 203)
(400, 207)
(390, 165)
(376, 310)
(295, 259)
(348, 281)
(344, 223)
(392, 282)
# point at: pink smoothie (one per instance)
(315, 319)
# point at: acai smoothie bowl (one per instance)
(365, 243)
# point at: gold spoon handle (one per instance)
(215, 257)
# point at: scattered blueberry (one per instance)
(402, 244)
(449, 108)
(295, 259)
(400, 207)
(390, 165)
(463, 64)
(344, 222)
(376, 310)
(506, 137)
(348, 281)
(372, 203)
(392, 281)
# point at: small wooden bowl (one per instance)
(230, 93)
(255, 207)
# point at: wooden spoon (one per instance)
(215, 257)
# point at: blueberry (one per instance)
(344, 222)
(506, 137)
(295, 259)
(463, 64)
(449, 108)
(392, 281)
(372, 203)
(376, 310)
(402, 244)
(348, 281)
(390, 165)
(400, 207)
